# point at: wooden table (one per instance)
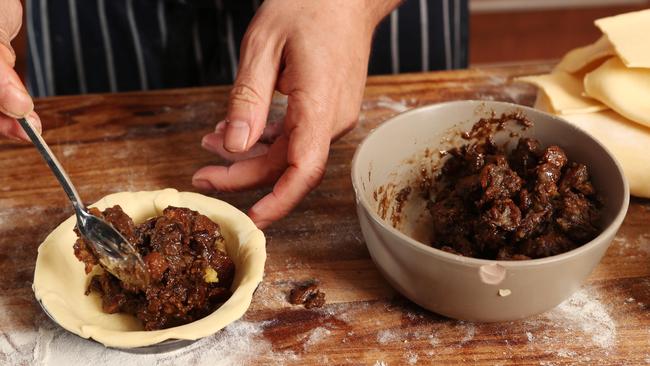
(146, 141)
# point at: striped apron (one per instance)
(96, 46)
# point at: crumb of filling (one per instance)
(308, 295)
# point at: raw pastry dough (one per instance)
(584, 59)
(565, 93)
(628, 141)
(60, 281)
(625, 90)
(629, 34)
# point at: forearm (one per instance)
(11, 15)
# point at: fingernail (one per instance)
(220, 128)
(202, 184)
(206, 140)
(19, 103)
(7, 56)
(236, 137)
(35, 121)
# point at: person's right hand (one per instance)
(15, 102)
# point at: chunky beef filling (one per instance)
(530, 203)
(190, 276)
(308, 295)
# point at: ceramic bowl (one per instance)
(393, 156)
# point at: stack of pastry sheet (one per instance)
(604, 88)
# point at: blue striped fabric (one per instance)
(80, 46)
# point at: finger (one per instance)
(7, 56)
(245, 174)
(252, 91)
(10, 20)
(306, 157)
(213, 142)
(14, 99)
(9, 127)
(296, 182)
(272, 130)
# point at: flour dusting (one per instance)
(235, 345)
(386, 336)
(469, 329)
(397, 106)
(386, 102)
(530, 336)
(69, 150)
(585, 319)
(412, 357)
(316, 336)
(586, 315)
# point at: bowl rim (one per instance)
(361, 200)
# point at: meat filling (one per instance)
(190, 275)
(532, 202)
(308, 295)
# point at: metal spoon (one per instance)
(114, 252)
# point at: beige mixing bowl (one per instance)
(392, 157)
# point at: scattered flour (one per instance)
(272, 295)
(583, 318)
(469, 329)
(68, 150)
(236, 344)
(484, 96)
(412, 358)
(496, 79)
(433, 340)
(643, 242)
(547, 363)
(587, 315)
(386, 336)
(634, 246)
(516, 91)
(565, 353)
(388, 103)
(316, 336)
(529, 336)
(16, 348)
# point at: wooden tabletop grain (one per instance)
(151, 140)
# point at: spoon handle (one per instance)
(54, 164)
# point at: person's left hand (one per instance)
(315, 52)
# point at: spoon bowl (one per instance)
(113, 250)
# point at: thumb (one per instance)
(249, 101)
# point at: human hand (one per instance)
(316, 53)
(15, 102)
